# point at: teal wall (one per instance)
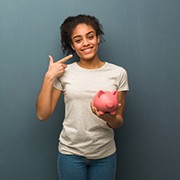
(141, 35)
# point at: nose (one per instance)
(85, 42)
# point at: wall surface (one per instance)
(141, 35)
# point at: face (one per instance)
(85, 42)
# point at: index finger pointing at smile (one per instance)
(66, 58)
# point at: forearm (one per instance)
(118, 120)
(48, 96)
(115, 122)
(44, 100)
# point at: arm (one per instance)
(47, 99)
(117, 120)
(49, 96)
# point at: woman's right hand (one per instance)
(56, 69)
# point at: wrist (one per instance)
(49, 77)
(48, 80)
(109, 125)
(115, 122)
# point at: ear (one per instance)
(100, 93)
(72, 46)
(99, 39)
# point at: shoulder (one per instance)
(71, 65)
(115, 67)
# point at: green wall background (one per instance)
(141, 35)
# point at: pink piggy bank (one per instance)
(106, 101)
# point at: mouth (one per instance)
(87, 50)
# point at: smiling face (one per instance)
(85, 42)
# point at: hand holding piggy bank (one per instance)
(105, 101)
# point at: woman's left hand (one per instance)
(106, 116)
(117, 119)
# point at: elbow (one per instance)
(41, 117)
(42, 114)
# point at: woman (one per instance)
(86, 144)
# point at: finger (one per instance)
(51, 60)
(92, 107)
(66, 58)
(64, 65)
(94, 110)
(97, 113)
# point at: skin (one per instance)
(49, 96)
(85, 43)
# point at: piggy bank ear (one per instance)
(100, 93)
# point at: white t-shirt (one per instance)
(83, 132)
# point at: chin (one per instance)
(88, 56)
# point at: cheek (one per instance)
(96, 42)
(76, 47)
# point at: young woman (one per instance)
(86, 144)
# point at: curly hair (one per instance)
(70, 23)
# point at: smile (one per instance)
(87, 50)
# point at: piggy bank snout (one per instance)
(110, 105)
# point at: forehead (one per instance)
(82, 29)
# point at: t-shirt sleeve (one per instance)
(123, 83)
(57, 84)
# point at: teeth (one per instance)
(87, 50)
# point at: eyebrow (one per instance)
(86, 34)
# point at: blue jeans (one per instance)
(72, 167)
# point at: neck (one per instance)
(91, 63)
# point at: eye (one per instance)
(77, 40)
(90, 37)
